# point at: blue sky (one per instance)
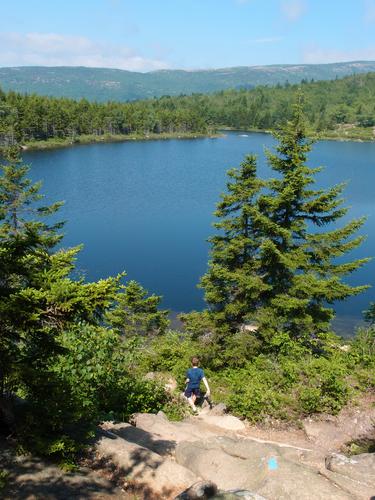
(144, 35)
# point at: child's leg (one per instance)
(191, 402)
(189, 395)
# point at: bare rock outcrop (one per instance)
(159, 476)
(359, 468)
(261, 468)
(190, 459)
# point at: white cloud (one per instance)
(51, 49)
(293, 9)
(316, 55)
(369, 6)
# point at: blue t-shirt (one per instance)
(195, 376)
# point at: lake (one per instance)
(146, 206)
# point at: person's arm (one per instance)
(208, 392)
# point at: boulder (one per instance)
(358, 490)
(160, 427)
(360, 468)
(146, 469)
(202, 490)
(219, 409)
(261, 468)
(227, 422)
(153, 442)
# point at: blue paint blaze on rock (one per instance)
(272, 464)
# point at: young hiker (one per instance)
(194, 376)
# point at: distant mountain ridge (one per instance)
(102, 84)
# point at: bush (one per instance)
(89, 381)
(172, 353)
(323, 386)
(176, 409)
(286, 388)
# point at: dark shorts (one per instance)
(189, 391)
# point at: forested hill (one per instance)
(341, 108)
(100, 84)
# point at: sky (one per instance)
(147, 35)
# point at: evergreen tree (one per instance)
(233, 282)
(137, 314)
(271, 263)
(38, 299)
(302, 264)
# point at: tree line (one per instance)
(343, 104)
(32, 117)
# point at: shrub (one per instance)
(286, 388)
(172, 353)
(323, 385)
(89, 381)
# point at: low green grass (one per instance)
(92, 139)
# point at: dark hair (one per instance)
(194, 361)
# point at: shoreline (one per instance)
(314, 136)
(111, 138)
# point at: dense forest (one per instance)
(340, 108)
(74, 353)
(35, 118)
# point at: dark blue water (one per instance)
(146, 207)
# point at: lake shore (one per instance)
(110, 138)
(355, 135)
(344, 135)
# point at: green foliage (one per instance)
(338, 109)
(370, 314)
(101, 84)
(32, 118)
(272, 263)
(285, 388)
(137, 314)
(233, 284)
(363, 347)
(91, 379)
(54, 350)
(172, 353)
(362, 357)
(3, 479)
(197, 324)
(324, 386)
(176, 409)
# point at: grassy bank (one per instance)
(359, 134)
(107, 138)
(341, 134)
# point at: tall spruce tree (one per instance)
(294, 269)
(38, 299)
(233, 284)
